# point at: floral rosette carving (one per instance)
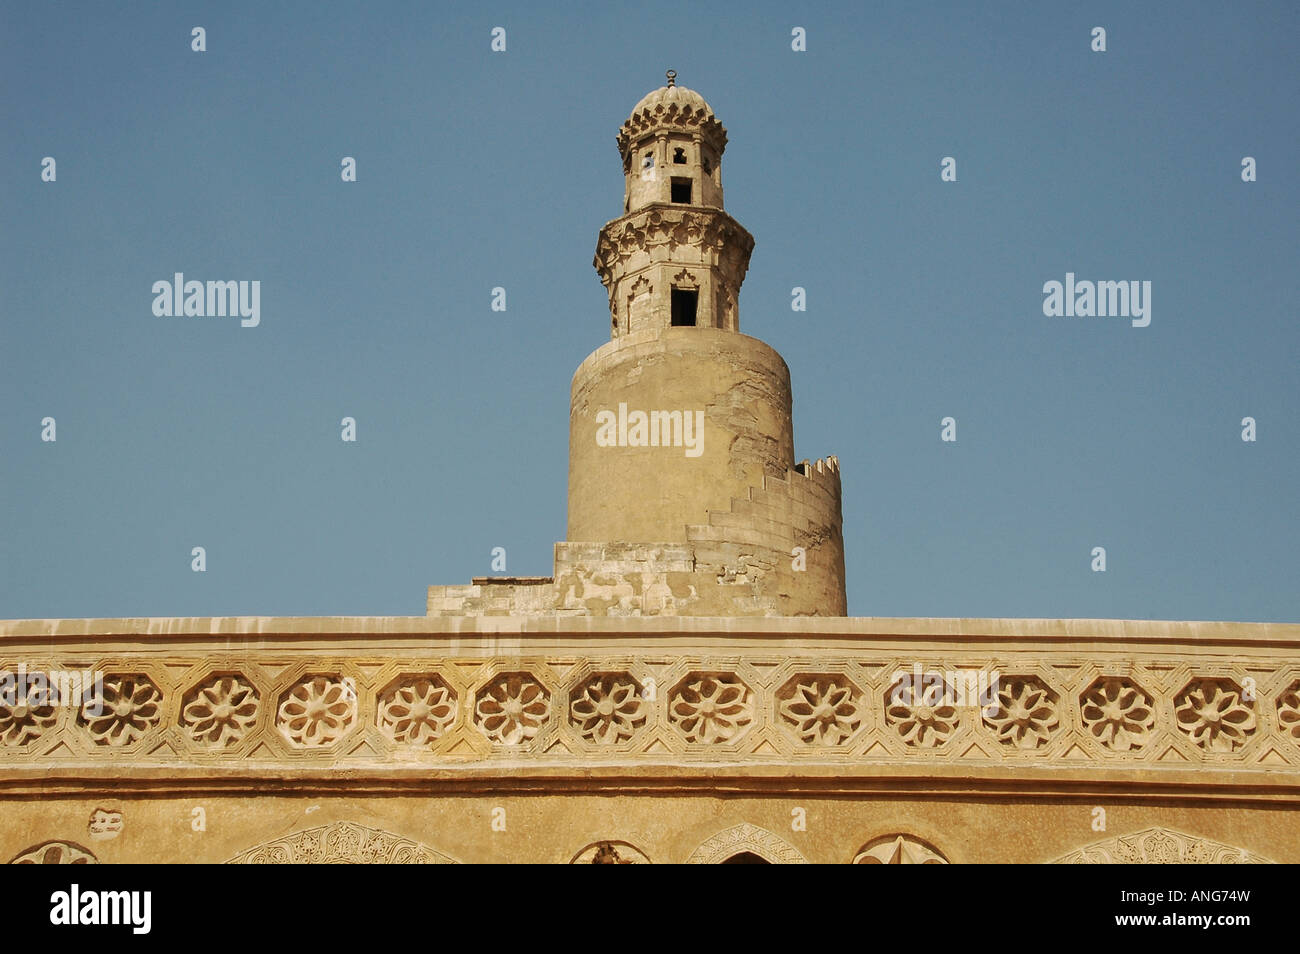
(27, 718)
(822, 710)
(1213, 714)
(1288, 712)
(220, 712)
(924, 715)
(1118, 713)
(608, 709)
(512, 709)
(1024, 715)
(417, 711)
(711, 708)
(318, 710)
(128, 707)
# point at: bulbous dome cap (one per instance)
(672, 108)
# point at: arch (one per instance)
(55, 853)
(744, 858)
(1159, 846)
(341, 843)
(898, 849)
(746, 838)
(610, 852)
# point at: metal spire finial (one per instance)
(672, 77)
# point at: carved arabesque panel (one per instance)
(341, 843)
(1159, 846)
(744, 838)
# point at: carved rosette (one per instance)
(130, 706)
(220, 712)
(608, 708)
(711, 708)
(28, 718)
(924, 716)
(512, 709)
(317, 710)
(1118, 713)
(823, 710)
(417, 710)
(1214, 715)
(1288, 712)
(1024, 715)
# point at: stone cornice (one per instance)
(1108, 634)
(1191, 785)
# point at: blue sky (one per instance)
(479, 169)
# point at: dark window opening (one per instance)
(746, 858)
(679, 156)
(682, 191)
(684, 304)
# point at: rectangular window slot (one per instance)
(684, 304)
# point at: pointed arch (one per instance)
(341, 843)
(743, 838)
(1159, 846)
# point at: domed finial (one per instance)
(672, 77)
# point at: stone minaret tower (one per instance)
(684, 495)
(763, 532)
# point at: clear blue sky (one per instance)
(478, 169)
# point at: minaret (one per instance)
(672, 162)
(680, 426)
